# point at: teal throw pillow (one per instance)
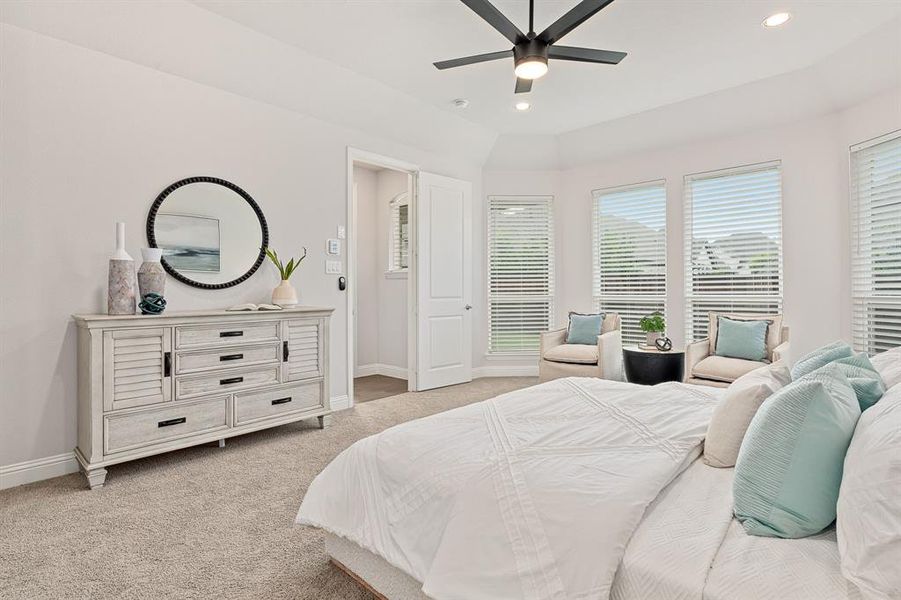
(863, 377)
(820, 358)
(741, 339)
(584, 329)
(789, 468)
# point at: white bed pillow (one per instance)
(735, 411)
(868, 519)
(888, 364)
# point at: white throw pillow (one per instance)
(888, 364)
(735, 411)
(869, 502)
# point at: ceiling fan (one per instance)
(531, 51)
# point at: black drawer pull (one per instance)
(231, 333)
(167, 364)
(281, 401)
(284, 351)
(169, 422)
(231, 380)
(231, 357)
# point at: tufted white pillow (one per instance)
(868, 519)
(888, 364)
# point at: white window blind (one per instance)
(520, 271)
(733, 244)
(876, 243)
(399, 244)
(629, 253)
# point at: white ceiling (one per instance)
(677, 50)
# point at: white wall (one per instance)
(392, 291)
(366, 350)
(814, 155)
(90, 139)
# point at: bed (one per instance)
(576, 488)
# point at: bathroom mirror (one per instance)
(212, 233)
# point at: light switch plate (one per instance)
(333, 246)
(333, 267)
(342, 232)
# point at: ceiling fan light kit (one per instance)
(531, 51)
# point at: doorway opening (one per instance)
(381, 360)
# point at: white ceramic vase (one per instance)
(284, 294)
(652, 337)
(151, 275)
(121, 290)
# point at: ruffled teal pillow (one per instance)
(789, 468)
(863, 377)
(741, 339)
(584, 329)
(820, 358)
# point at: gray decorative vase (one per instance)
(121, 291)
(152, 275)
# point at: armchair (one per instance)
(703, 367)
(604, 360)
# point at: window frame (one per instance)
(600, 300)
(395, 236)
(727, 302)
(549, 297)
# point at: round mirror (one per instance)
(211, 232)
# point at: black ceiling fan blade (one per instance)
(523, 86)
(496, 19)
(471, 60)
(590, 55)
(580, 13)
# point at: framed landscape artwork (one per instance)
(189, 242)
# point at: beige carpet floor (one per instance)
(373, 387)
(202, 522)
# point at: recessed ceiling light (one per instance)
(461, 103)
(777, 19)
(523, 106)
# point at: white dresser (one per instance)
(151, 384)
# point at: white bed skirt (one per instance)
(390, 582)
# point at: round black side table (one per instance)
(651, 366)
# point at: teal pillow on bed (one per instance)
(741, 339)
(789, 468)
(820, 357)
(863, 377)
(584, 329)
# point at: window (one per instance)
(733, 244)
(629, 252)
(399, 244)
(876, 243)
(520, 271)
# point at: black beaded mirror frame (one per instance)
(151, 237)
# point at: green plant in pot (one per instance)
(653, 325)
(284, 293)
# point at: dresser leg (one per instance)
(324, 421)
(95, 477)
(222, 443)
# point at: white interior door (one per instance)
(443, 281)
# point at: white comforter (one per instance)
(533, 494)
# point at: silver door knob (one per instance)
(468, 307)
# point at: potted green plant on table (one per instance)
(284, 293)
(653, 325)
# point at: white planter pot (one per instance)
(284, 294)
(652, 337)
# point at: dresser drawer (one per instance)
(226, 334)
(274, 403)
(134, 430)
(238, 356)
(189, 386)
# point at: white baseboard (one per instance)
(506, 371)
(340, 402)
(36, 470)
(380, 369)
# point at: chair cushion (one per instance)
(741, 339)
(724, 368)
(773, 331)
(789, 468)
(584, 329)
(820, 357)
(577, 354)
(733, 415)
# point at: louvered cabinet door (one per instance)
(136, 367)
(302, 353)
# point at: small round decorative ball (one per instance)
(152, 304)
(664, 344)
